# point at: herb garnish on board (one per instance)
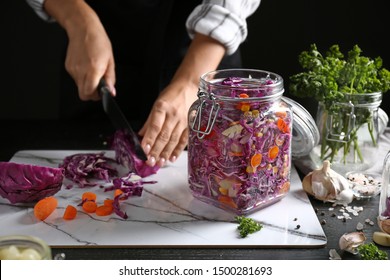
(333, 79)
(247, 226)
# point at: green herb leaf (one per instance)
(371, 252)
(327, 78)
(247, 226)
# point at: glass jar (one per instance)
(23, 247)
(239, 150)
(384, 202)
(349, 131)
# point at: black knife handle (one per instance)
(102, 87)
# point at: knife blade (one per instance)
(118, 119)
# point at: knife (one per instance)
(118, 119)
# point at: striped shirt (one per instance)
(222, 20)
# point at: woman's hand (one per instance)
(89, 55)
(165, 133)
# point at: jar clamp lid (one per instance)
(305, 134)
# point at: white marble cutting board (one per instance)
(165, 215)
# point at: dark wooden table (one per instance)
(21, 135)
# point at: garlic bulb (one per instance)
(327, 185)
(351, 241)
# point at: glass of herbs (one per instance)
(349, 92)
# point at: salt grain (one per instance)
(333, 255)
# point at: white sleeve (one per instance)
(222, 20)
(37, 6)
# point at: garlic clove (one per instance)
(345, 197)
(381, 238)
(351, 241)
(306, 184)
(384, 225)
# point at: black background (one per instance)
(278, 31)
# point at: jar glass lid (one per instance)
(383, 120)
(305, 134)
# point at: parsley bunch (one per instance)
(335, 80)
(371, 252)
(329, 77)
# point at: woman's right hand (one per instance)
(89, 55)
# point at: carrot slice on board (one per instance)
(69, 213)
(108, 202)
(88, 196)
(117, 192)
(89, 206)
(104, 210)
(44, 207)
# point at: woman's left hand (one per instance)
(165, 132)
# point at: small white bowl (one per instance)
(364, 185)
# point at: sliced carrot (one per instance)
(256, 160)
(236, 154)
(117, 192)
(281, 114)
(227, 200)
(88, 196)
(210, 135)
(70, 213)
(273, 152)
(44, 207)
(283, 127)
(285, 187)
(108, 202)
(104, 210)
(89, 206)
(243, 106)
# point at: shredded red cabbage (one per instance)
(85, 168)
(125, 155)
(244, 162)
(23, 183)
(386, 212)
(130, 185)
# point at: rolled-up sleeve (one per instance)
(37, 6)
(222, 20)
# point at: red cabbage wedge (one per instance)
(23, 183)
(125, 155)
